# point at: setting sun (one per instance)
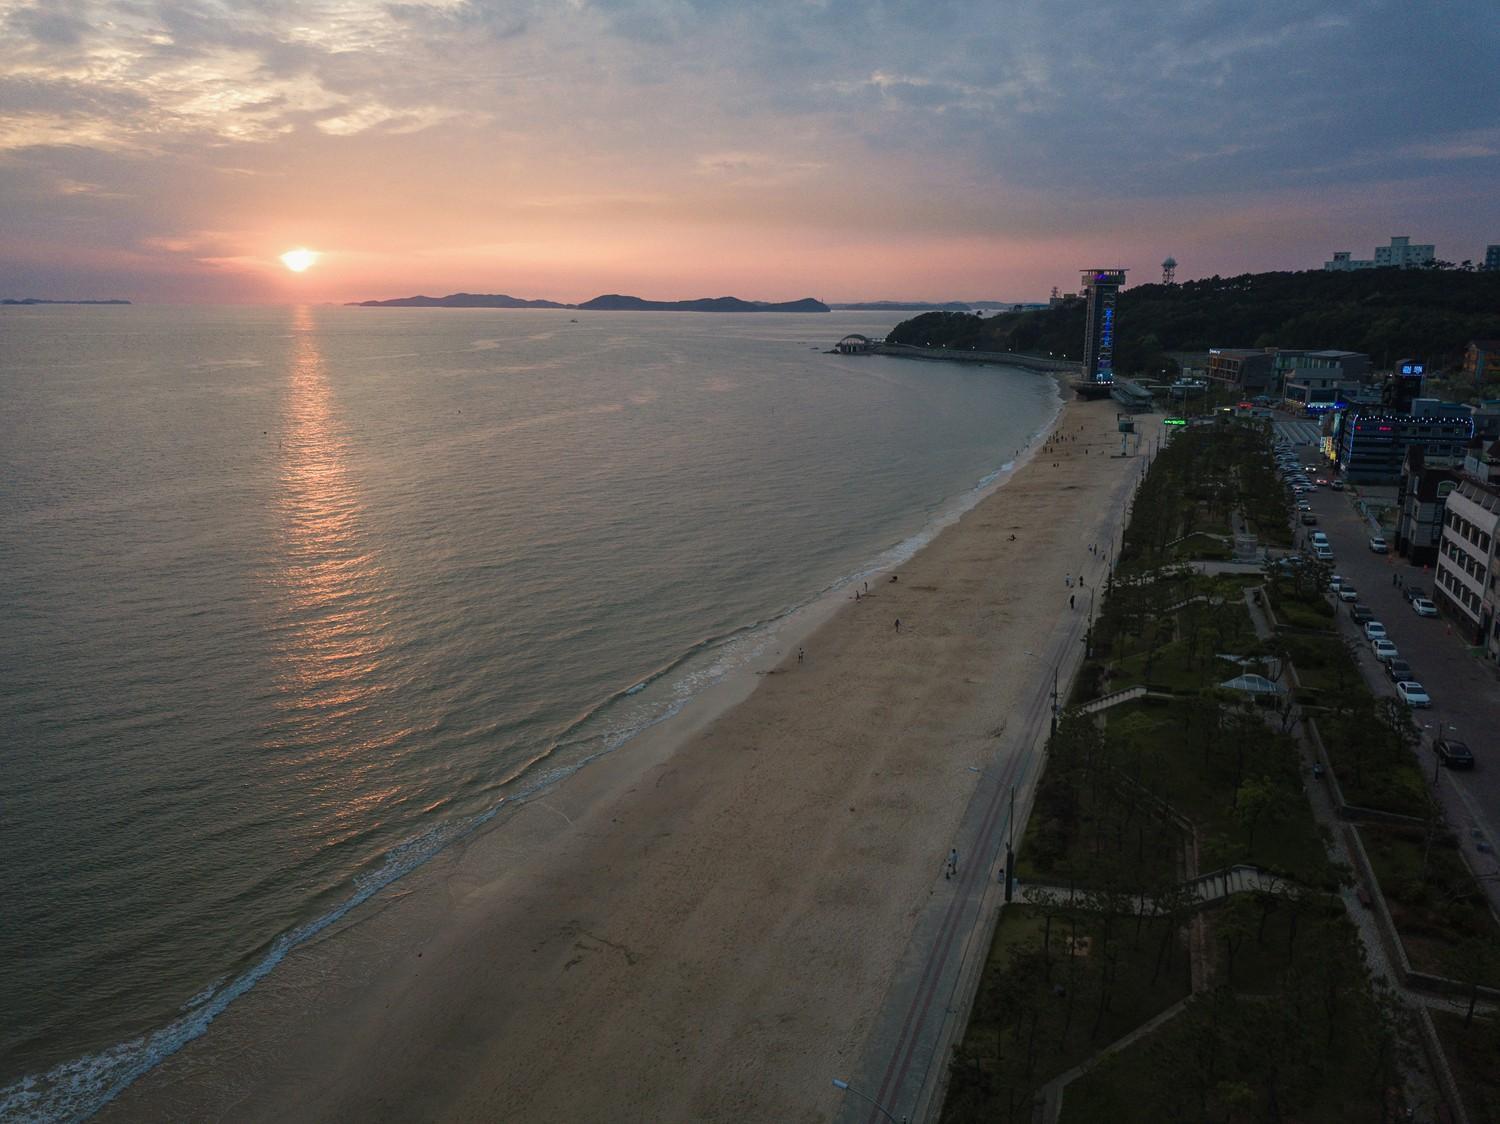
(298, 260)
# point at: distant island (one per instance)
(613, 302)
(610, 302)
(42, 300)
(459, 300)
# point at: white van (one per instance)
(1319, 538)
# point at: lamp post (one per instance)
(880, 1108)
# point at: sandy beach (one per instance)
(703, 926)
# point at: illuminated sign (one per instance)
(1174, 421)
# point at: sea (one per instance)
(292, 598)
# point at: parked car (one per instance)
(1348, 593)
(1323, 553)
(1399, 669)
(1384, 650)
(1303, 505)
(1423, 607)
(1412, 592)
(1361, 613)
(1335, 581)
(1412, 693)
(1377, 544)
(1308, 518)
(1374, 630)
(1337, 485)
(1454, 753)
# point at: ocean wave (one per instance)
(76, 1089)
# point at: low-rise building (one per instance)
(1322, 380)
(1370, 443)
(1249, 370)
(1464, 576)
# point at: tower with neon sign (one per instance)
(1102, 286)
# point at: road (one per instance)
(1465, 689)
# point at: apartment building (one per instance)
(1464, 579)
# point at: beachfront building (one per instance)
(1102, 287)
(1464, 578)
(1400, 254)
(1482, 360)
(1370, 444)
(1419, 506)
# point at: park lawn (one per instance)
(1198, 787)
(981, 1077)
(1084, 856)
(1324, 1068)
(1389, 784)
(1172, 669)
(1471, 1051)
(1437, 912)
(1323, 664)
(1260, 961)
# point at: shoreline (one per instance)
(490, 893)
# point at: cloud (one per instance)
(514, 121)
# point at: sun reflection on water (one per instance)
(332, 644)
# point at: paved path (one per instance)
(903, 1063)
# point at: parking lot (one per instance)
(1465, 690)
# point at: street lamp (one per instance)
(846, 1087)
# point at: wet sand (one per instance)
(704, 925)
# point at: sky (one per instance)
(172, 150)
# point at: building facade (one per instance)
(1370, 444)
(1491, 257)
(1420, 504)
(1464, 577)
(1482, 360)
(1321, 380)
(1400, 254)
(1102, 287)
(1249, 370)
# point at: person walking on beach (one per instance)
(898, 624)
(952, 864)
(799, 655)
(1070, 599)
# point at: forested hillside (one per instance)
(1427, 314)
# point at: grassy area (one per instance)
(1471, 1050)
(1443, 919)
(1114, 809)
(1054, 992)
(1305, 1040)
(1371, 754)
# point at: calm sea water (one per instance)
(289, 598)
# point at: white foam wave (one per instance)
(77, 1089)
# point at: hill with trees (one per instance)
(1390, 314)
